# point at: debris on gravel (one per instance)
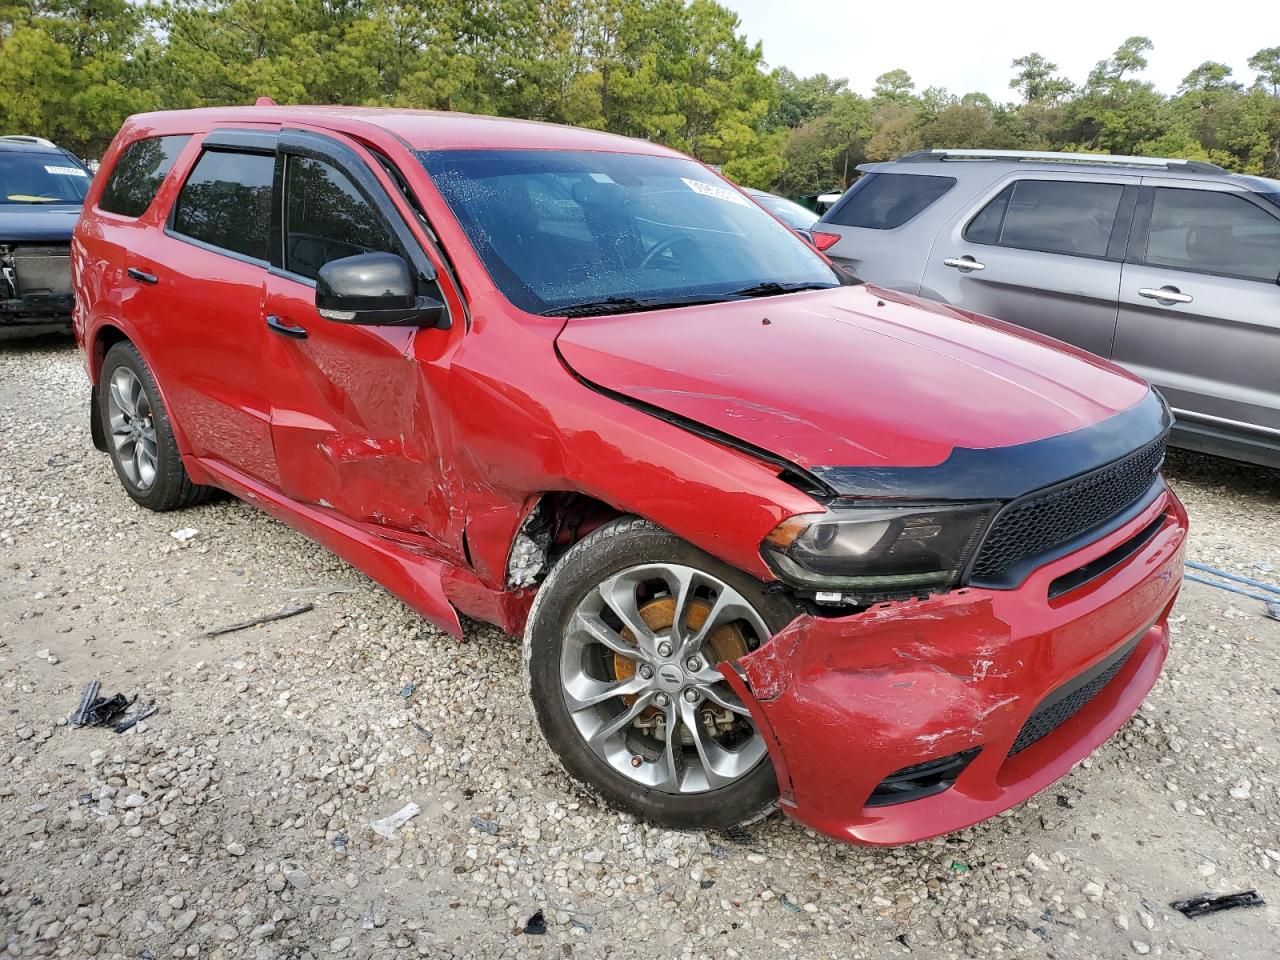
(236, 822)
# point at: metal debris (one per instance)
(96, 711)
(1200, 906)
(265, 618)
(488, 826)
(129, 722)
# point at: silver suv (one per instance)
(1170, 267)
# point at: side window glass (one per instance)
(138, 173)
(1213, 232)
(226, 202)
(985, 227)
(882, 201)
(327, 218)
(1074, 217)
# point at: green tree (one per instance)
(895, 85)
(1267, 65)
(1036, 82)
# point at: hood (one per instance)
(852, 376)
(32, 222)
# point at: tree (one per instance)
(895, 85)
(1267, 64)
(1209, 77)
(1036, 82)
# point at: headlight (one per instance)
(868, 553)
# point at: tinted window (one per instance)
(1056, 216)
(882, 201)
(557, 229)
(1213, 233)
(327, 218)
(36, 177)
(226, 202)
(138, 174)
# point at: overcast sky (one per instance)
(966, 45)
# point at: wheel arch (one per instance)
(106, 336)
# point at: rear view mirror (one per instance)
(376, 289)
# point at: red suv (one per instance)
(770, 535)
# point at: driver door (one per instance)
(352, 416)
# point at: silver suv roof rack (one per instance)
(24, 138)
(1049, 156)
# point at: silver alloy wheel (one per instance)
(131, 424)
(674, 678)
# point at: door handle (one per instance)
(964, 263)
(1165, 295)
(136, 274)
(285, 330)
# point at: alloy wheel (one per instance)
(131, 425)
(638, 675)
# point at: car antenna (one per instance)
(265, 102)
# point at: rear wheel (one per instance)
(622, 647)
(139, 436)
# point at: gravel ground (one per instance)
(236, 821)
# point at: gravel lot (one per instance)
(236, 821)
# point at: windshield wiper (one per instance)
(608, 305)
(771, 288)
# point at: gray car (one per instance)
(798, 218)
(1170, 267)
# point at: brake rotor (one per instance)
(725, 642)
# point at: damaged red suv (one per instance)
(772, 536)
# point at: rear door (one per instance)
(196, 297)
(353, 417)
(1200, 304)
(1042, 250)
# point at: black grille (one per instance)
(1058, 711)
(1037, 523)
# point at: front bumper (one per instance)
(846, 702)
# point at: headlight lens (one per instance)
(873, 552)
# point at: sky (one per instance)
(967, 45)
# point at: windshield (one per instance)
(41, 178)
(559, 230)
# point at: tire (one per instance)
(135, 421)
(638, 770)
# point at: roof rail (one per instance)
(1049, 156)
(24, 138)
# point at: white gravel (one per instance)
(236, 821)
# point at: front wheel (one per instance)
(621, 651)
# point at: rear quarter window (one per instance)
(882, 201)
(138, 173)
(226, 202)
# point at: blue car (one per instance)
(42, 188)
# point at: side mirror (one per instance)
(375, 289)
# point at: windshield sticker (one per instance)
(711, 190)
(65, 171)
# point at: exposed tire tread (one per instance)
(173, 488)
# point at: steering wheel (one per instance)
(662, 246)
